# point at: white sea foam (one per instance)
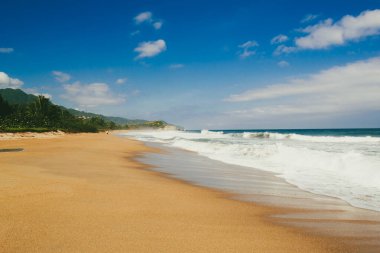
(343, 167)
(334, 139)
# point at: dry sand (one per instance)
(85, 193)
(28, 135)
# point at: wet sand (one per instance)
(314, 213)
(87, 193)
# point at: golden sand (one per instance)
(85, 193)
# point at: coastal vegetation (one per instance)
(21, 112)
(42, 115)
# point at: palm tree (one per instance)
(40, 107)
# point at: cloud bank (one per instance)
(354, 87)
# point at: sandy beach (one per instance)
(86, 193)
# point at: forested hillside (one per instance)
(21, 112)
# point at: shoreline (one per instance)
(86, 192)
(295, 207)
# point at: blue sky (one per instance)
(200, 64)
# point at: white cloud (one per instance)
(247, 46)
(309, 18)
(351, 88)
(282, 49)
(349, 28)
(176, 66)
(91, 95)
(121, 80)
(8, 82)
(6, 50)
(147, 17)
(279, 39)
(143, 17)
(283, 64)
(150, 48)
(61, 76)
(157, 25)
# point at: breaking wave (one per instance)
(346, 167)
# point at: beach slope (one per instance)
(85, 193)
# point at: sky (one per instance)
(200, 64)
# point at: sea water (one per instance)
(341, 163)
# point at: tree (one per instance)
(40, 107)
(5, 108)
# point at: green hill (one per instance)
(21, 112)
(19, 97)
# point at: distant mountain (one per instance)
(17, 96)
(116, 120)
(123, 121)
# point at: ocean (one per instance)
(340, 163)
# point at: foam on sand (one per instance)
(346, 167)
